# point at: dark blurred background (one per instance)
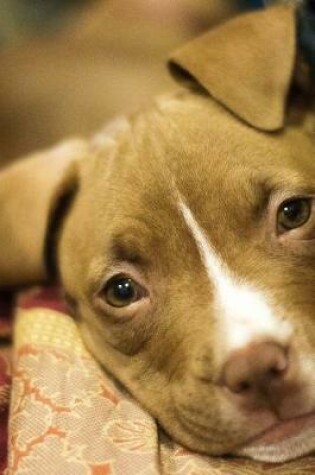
(68, 66)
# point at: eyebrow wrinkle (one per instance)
(126, 247)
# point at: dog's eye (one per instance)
(294, 213)
(122, 291)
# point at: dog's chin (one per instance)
(283, 442)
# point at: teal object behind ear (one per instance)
(306, 33)
(252, 4)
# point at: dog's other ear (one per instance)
(246, 64)
(30, 191)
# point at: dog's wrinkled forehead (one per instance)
(216, 164)
(188, 141)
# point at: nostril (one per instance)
(243, 387)
(277, 372)
(279, 367)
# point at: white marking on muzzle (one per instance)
(243, 313)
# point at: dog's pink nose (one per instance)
(257, 369)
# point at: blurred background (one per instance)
(68, 66)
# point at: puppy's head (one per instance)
(185, 243)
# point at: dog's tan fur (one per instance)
(123, 217)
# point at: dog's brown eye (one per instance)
(294, 213)
(122, 291)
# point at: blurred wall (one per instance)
(22, 18)
(108, 59)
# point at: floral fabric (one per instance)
(68, 417)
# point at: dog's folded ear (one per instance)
(246, 64)
(30, 192)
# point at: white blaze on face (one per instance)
(243, 313)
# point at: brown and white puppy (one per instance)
(184, 239)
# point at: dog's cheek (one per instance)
(127, 337)
(204, 420)
(296, 296)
